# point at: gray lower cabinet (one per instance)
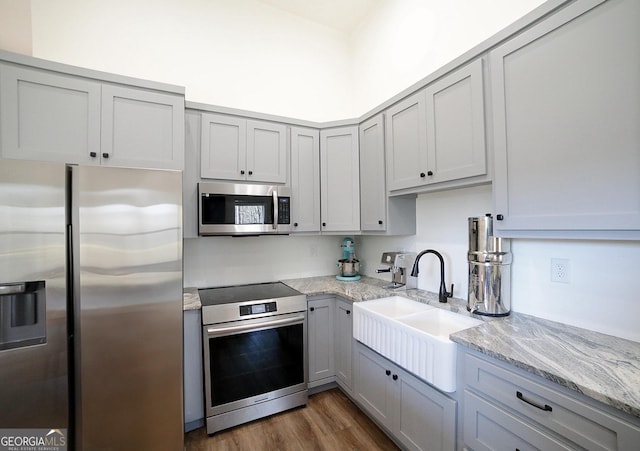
(506, 409)
(305, 179)
(343, 345)
(56, 116)
(418, 416)
(193, 385)
(566, 108)
(320, 330)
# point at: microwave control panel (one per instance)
(284, 211)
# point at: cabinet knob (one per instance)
(242, 172)
(324, 224)
(388, 372)
(250, 172)
(105, 155)
(295, 224)
(499, 217)
(312, 309)
(93, 154)
(395, 377)
(423, 175)
(429, 173)
(348, 312)
(380, 222)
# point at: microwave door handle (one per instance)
(275, 210)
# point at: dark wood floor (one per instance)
(330, 421)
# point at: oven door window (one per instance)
(257, 362)
(240, 210)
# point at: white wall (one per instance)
(403, 41)
(236, 53)
(602, 294)
(15, 26)
(222, 261)
(441, 225)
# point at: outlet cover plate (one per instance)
(560, 270)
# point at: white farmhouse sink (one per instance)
(413, 335)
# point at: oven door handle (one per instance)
(214, 331)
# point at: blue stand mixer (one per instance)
(348, 265)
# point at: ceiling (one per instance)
(341, 15)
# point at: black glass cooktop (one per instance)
(242, 293)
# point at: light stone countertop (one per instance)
(600, 366)
(191, 299)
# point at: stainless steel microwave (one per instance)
(243, 209)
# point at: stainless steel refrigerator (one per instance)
(91, 304)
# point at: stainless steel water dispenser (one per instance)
(489, 260)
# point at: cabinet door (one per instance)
(340, 181)
(455, 125)
(566, 103)
(373, 193)
(266, 152)
(224, 146)
(427, 418)
(320, 323)
(406, 138)
(487, 428)
(373, 373)
(49, 117)
(343, 342)
(305, 179)
(142, 128)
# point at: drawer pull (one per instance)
(521, 397)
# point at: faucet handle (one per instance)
(450, 294)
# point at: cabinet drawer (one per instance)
(487, 427)
(569, 417)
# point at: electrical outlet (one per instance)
(560, 270)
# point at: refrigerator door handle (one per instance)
(14, 288)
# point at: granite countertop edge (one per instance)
(599, 366)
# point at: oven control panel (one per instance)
(254, 309)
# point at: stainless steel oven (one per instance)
(255, 352)
(243, 209)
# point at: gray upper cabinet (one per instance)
(455, 126)
(379, 213)
(48, 116)
(224, 147)
(51, 116)
(437, 134)
(566, 102)
(339, 180)
(142, 128)
(305, 179)
(406, 136)
(235, 148)
(373, 195)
